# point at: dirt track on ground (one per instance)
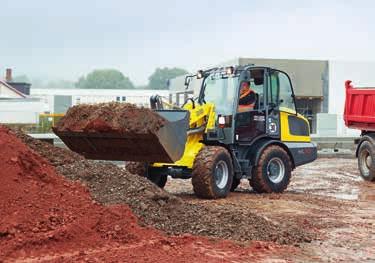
(326, 197)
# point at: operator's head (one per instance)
(245, 89)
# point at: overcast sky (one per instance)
(65, 39)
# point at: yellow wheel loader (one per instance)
(212, 140)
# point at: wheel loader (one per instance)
(210, 140)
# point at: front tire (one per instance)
(212, 174)
(366, 163)
(273, 171)
(142, 169)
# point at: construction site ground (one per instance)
(326, 215)
(327, 197)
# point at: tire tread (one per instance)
(258, 182)
(203, 169)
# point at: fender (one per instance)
(256, 149)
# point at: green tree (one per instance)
(159, 79)
(104, 79)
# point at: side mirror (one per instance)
(187, 81)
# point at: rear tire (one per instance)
(366, 165)
(142, 169)
(273, 171)
(212, 174)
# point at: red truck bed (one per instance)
(359, 110)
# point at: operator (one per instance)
(247, 98)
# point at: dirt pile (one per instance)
(110, 184)
(43, 217)
(39, 210)
(110, 117)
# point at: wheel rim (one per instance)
(276, 170)
(221, 174)
(365, 162)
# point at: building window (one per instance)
(118, 99)
(123, 98)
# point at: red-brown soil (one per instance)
(110, 117)
(109, 184)
(44, 217)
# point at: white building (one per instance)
(362, 74)
(20, 111)
(58, 100)
(8, 92)
(16, 107)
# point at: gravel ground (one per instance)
(327, 197)
(327, 212)
(110, 184)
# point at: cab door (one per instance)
(293, 127)
(251, 123)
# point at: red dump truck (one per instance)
(359, 114)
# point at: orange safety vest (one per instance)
(246, 107)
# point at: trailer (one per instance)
(359, 113)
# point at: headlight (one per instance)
(230, 70)
(200, 74)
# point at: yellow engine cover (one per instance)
(286, 135)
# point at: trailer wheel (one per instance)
(366, 161)
(142, 169)
(212, 174)
(273, 171)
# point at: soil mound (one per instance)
(43, 217)
(110, 184)
(39, 210)
(110, 117)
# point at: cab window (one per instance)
(257, 83)
(251, 91)
(280, 91)
(220, 91)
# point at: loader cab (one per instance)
(272, 102)
(274, 94)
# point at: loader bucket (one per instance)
(165, 145)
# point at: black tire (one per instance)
(212, 174)
(142, 169)
(366, 165)
(236, 182)
(159, 180)
(273, 171)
